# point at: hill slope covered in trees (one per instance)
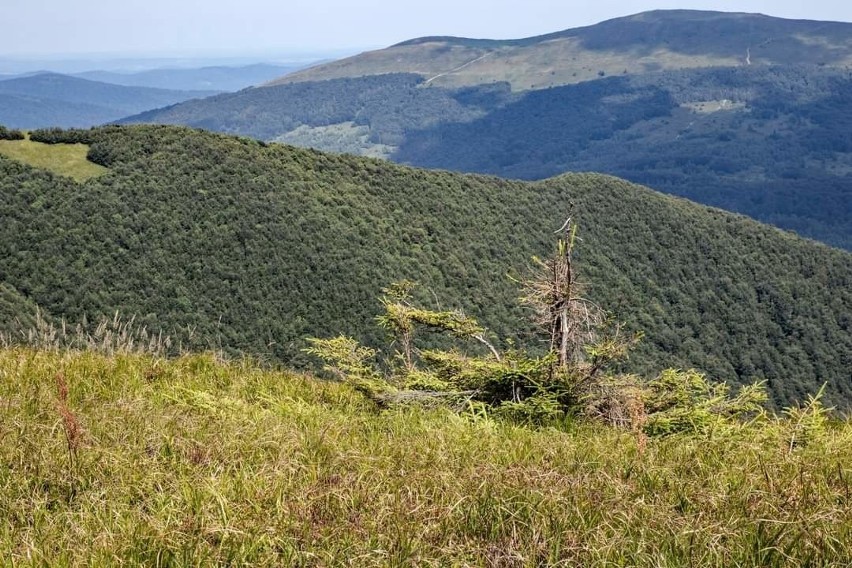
(769, 142)
(230, 243)
(17, 313)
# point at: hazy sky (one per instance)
(258, 26)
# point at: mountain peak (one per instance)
(690, 15)
(648, 41)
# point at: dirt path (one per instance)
(459, 68)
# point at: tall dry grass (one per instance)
(108, 335)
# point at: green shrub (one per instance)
(686, 401)
(575, 377)
(11, 134)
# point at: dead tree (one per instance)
(555, 295)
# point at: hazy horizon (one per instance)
(131, 63)
(156, 33)
(165, 26)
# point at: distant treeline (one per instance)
(11, 134)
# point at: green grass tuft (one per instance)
(63, 159)
(135, 460)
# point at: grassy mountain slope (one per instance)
(51, 99)
(226, 242)
(63, 159)
(651, 41)
(198, 462)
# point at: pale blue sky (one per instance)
(169, 27)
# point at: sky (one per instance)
(258, 27)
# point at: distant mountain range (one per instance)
(741, 111)
(643, 43)
(52, 99)
(219, 78)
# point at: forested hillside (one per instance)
(769, 142)
(388, 107)
(17, 313)
(227, 242)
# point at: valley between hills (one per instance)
(739, 111)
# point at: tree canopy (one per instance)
(223, 242)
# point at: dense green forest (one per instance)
(390, 105)
(17, 313)
(769, 142)
(231, 243)
(772, 143)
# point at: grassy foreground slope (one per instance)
(228, 243)
(195, 462)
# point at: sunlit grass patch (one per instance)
(138, 460)
(62, 159)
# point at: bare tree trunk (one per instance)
(554, 308)
(563, 348)
(481, 338)
(564, 272)
(405, 339)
